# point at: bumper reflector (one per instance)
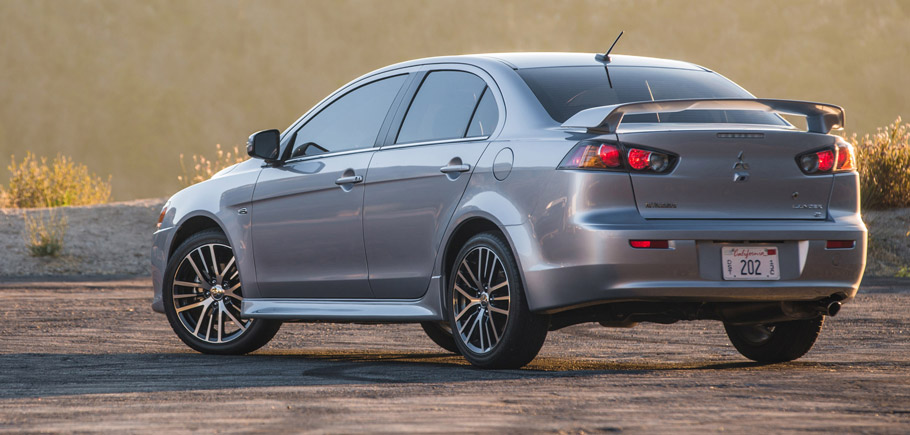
(840, 244)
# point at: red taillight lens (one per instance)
(594, 156)
(639, 159)
(836, 159)
(606, 156)
(610, 155)
(825, 160)
(650, 244)
(840, 244)
(642, 160)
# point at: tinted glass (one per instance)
(565, 91)
(442, 107)
(350, 122)
(485, 117)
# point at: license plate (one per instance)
(750, 263)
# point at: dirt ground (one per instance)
(91, 356)
(87, 247)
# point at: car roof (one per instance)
(544, 59)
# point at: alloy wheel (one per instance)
(207, 294)
(481, 300)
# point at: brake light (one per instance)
(825, 160)
(607, 156)
(594, 156)
(638, 159)
(650, 244)
(839, 158)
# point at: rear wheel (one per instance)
(202, 297)
(778, 342)
(488, 314)
(441, 334)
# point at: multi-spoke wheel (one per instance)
(481, 299)
(203, 296)
(778, 342)
(489, 317)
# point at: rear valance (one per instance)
(820, 117)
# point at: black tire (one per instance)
(256, 332)
(779, 342)
(440, 335)
(522, 332)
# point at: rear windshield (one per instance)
(565, 91)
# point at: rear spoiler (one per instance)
(820, 117)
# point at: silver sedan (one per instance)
(493, 198)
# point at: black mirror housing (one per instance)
(264, 145)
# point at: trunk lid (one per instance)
(728, 173)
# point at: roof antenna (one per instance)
(606, 56)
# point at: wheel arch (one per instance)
(464, 230)
(192, 225)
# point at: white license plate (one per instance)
(749, 262)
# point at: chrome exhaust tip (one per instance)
(833, 308)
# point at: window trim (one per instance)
(332, 154)
(435, 142)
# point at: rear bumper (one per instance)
(589, 263)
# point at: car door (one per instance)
(307, 222)
(415, 181)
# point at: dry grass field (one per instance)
(126, 86)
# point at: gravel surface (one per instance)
(108, 239)
(91, 356)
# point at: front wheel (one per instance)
(486, 306)
(202, 298)
(778, 342)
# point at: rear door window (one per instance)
(485, 117)
(443, 107)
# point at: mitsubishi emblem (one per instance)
(740, 169)
(740, 163)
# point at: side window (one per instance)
(442, 107)
(485, 117)
(350, 122)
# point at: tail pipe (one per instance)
(829, 307)
(772, 312)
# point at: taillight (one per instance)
(638, 159)
(829, 160)
(594, 156)
(845, 158)
(606, 156)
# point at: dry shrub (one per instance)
(35, 183)
(203, 168)
(44, 232)
(884, 166)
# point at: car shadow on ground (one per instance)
(29, 375)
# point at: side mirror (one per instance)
(264, 145)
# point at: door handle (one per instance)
(455, 168)
(349, 180)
